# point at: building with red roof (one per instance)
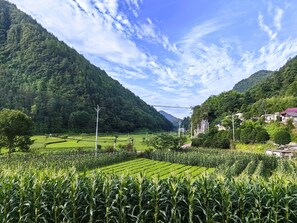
(289, 113)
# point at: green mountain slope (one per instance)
(175, 121)
(273, 94)
(252, 80)
(58, 87)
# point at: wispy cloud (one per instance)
(278, 18)
(266, 28)
(277, 14)
(202, 30)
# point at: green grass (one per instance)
(152, 168)
(254, 148)
(87, 141)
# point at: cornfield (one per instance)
(71, 197)
(80, 160)
(229, 163)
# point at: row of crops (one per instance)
(228, 163)
(69, 197)
(152, 168)
(80, 160)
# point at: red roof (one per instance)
(289, 110)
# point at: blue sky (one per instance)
(174, 52)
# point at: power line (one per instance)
(170, 106)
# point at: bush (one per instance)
(282, 137)
(262, 136)
(166, 141)
(218, 139)
(109, 149)
(247, 135)
(197, 142)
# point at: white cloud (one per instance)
(202, 30)
(278, 18)
(266, 28)
(87, 31)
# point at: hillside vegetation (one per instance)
(274, 94)
(58, 87)
(252, 80)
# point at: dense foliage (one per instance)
(282, 137)
(166, 141)
(275, 93)
(213, 139)
(247, 132)
(59, 88)
(15, 130)
(68, 197)
(252, 80)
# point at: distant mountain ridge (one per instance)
(252, 80)
(175, 121)
(58, 87)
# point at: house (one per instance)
(271, 117)
(287, 151)
(239, 116)
(280, 153)
(220, 127)
(289, 113)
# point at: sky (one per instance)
(174, 52)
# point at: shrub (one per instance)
(166, 141)
(247, 135)
(197, 142)
(282, 137)
(262, 136)
(109, 149)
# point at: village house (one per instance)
(289, 113)
(287, 151)
(271, 117)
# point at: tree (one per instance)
(262, 136)
(166, 141)
(282, 137)
(15, 130)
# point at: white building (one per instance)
(271, 117)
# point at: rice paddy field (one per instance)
(197, 185)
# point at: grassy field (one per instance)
(44, 143)
(86, 141)
(254, 148)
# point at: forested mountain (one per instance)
(252, 80)
(171, 118)
(58, 87)
(276, 93)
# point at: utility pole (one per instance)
(233, 127)
(179, 129)
(97, 109)
(179, 133)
